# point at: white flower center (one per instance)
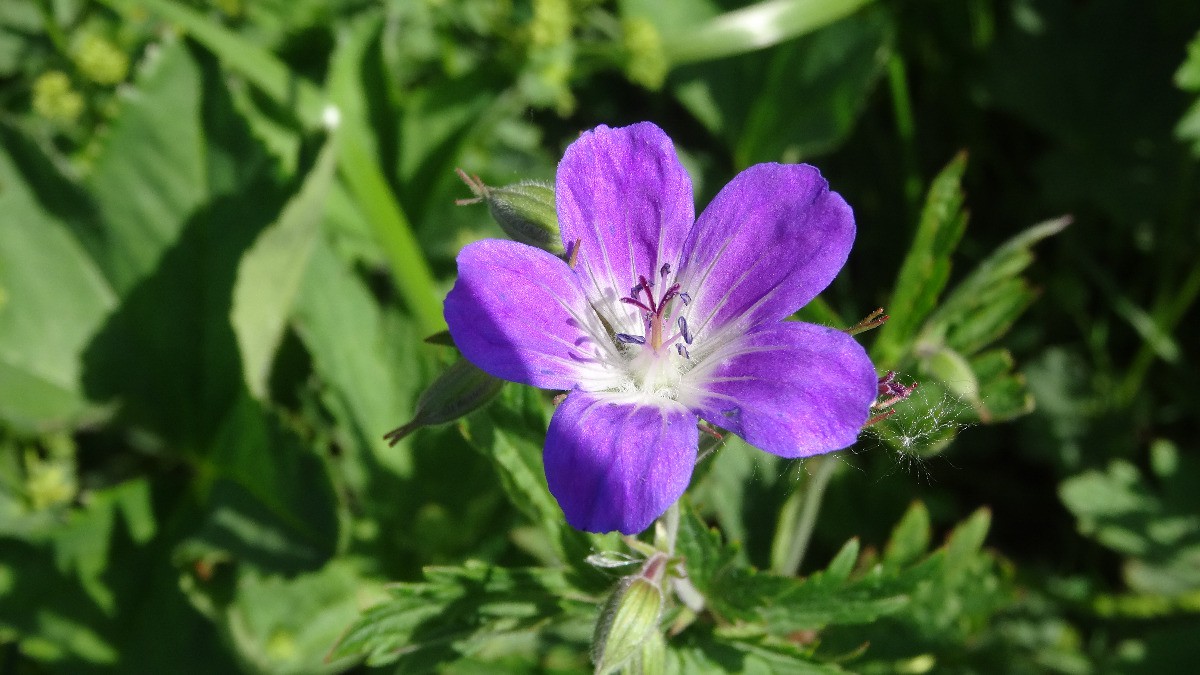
(656, 360)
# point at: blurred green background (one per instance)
(226, 227)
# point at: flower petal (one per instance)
(773, 239)
(624, 196)
(793, 389)
(518, 313)
(617, 465)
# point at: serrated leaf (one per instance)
(705, 556)
(926, 266)
(456, 610)
(985, 303)
(288, 624)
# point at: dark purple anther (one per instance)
(666, 269)
(683, 330)
(687, 299)
(682, 351)
(630, 339)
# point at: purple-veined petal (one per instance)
(793, 389)
(623, 195)
(518, 313)
(773, 239)
(617, 465)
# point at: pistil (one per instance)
(656, 313)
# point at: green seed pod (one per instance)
(629, 618)
(462, 389)
(653, 658)
(525, 211)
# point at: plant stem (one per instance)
(798, 518)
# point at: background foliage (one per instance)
(226, 226)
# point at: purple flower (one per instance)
(665, 319)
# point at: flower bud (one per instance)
(55, 99)
(525, 211)
(101, 61)
(462, 389)
(629, 619)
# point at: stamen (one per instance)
(572, 252)
(683, 329)
(665, 270)
(682, 351)
(630, 339)
(687, 299)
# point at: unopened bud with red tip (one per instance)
(630, 618)
(525, 210)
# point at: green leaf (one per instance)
(704, 555)
(267, 72)
(965, 543)
(53, 298)
(363, 355)
(792, 102)
(361, 168)
(752, 28)
(1158, 529)
(270, 274)
(271, 502)
(984, 304)
(926, 266)
(910, 538)
(843, 563)
(168, 355)
(93, 593)
(456, 611)
(151, 174)
(289, 624)
(1003, 394)
(711, 651)
(510, 433)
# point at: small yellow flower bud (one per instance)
(54, 99)
(100, 61)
